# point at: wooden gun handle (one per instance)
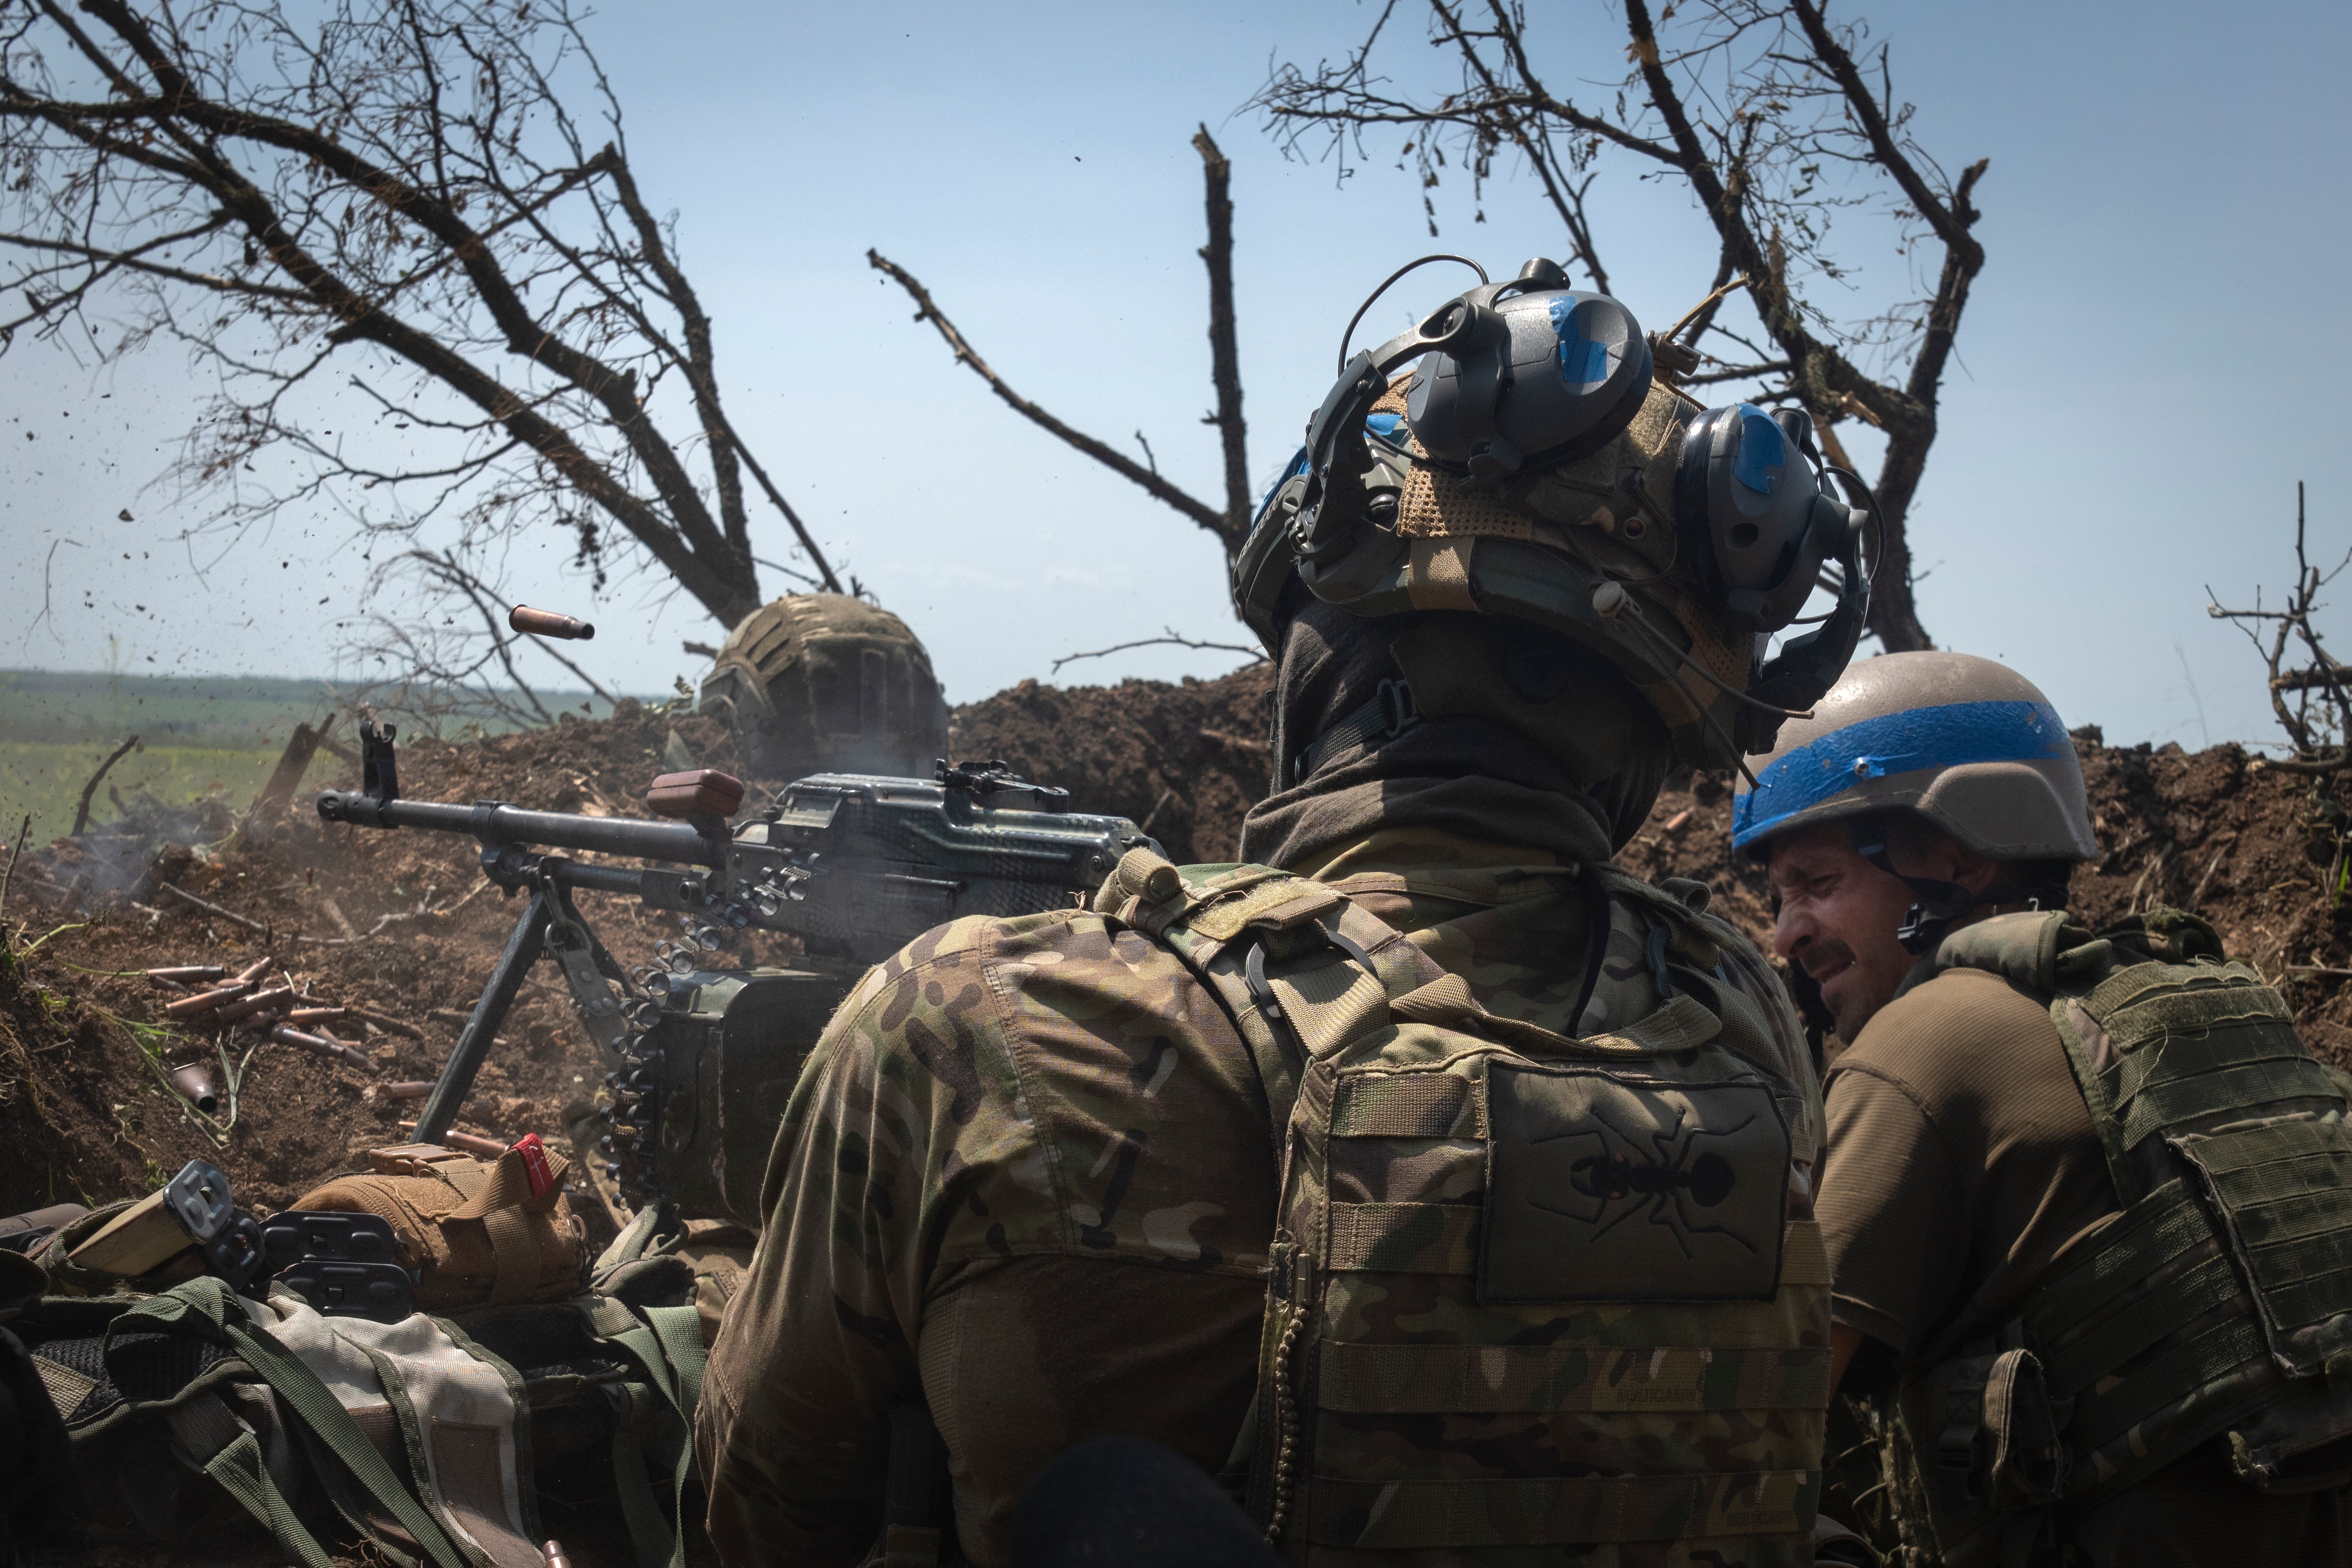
(706, 791)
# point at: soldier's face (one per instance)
(1838, 917)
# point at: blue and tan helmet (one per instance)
(1967, 743)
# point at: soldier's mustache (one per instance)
(1823, 953)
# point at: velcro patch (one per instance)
(1283, 901)
(1610, 1188)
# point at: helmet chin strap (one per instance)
(1941, 905)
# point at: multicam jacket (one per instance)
(1027, 1177)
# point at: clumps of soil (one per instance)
(403, 925)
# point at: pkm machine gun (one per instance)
(701, 1057)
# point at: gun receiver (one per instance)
(854, 866)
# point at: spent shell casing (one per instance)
(245, 1006)
(252, 973)
(549, 624)
(316, 1014)
(320, 1045)
(355, 1055)
(185, 973)
(407, 1088)
(195, 1083)
(205, 1001)
(467, 1142)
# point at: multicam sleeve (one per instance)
(1770, 1029)
(819, 1342)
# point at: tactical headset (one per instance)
(1529, 375)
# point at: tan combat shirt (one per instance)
(1027, 1177)
(1961, 1167)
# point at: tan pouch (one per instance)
(472, 1235)
(67, 1277)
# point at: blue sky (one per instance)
(2145, 371)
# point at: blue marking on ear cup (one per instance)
(1583, 363)
(1763, 450)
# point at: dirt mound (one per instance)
(1184, 762)
(402, 926)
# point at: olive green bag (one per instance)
(438, 1440)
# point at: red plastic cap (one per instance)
(706, 791)
(534, 1164)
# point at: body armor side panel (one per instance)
(2219, 1299)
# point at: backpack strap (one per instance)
(1305, 971)
(1300, 968)
(206, 1431)
(679, 1329)
(208, 1301)
(656, 1429)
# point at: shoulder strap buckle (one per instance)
(1262, 991)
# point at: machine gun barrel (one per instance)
(703, 1060)
(494, 822)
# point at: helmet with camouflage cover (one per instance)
(1968, 744)
(1535, 466)
(827, 683)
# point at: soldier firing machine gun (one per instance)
(701, 1060)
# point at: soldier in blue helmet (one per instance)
(2087, 1198)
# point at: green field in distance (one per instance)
(197, 734)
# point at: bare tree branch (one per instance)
(1224, 355)
(2322, 739)
(405, 186)
(81, 808)
(1208, 517)
(1171, 639)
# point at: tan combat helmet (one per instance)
(1970, 745)
(827, 683)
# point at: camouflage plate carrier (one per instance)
(2217, 1303)
(1526, 1292)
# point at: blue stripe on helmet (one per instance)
(1945, 737)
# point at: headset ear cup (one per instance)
(1694, 519)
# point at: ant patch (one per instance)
(1610, 1188)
